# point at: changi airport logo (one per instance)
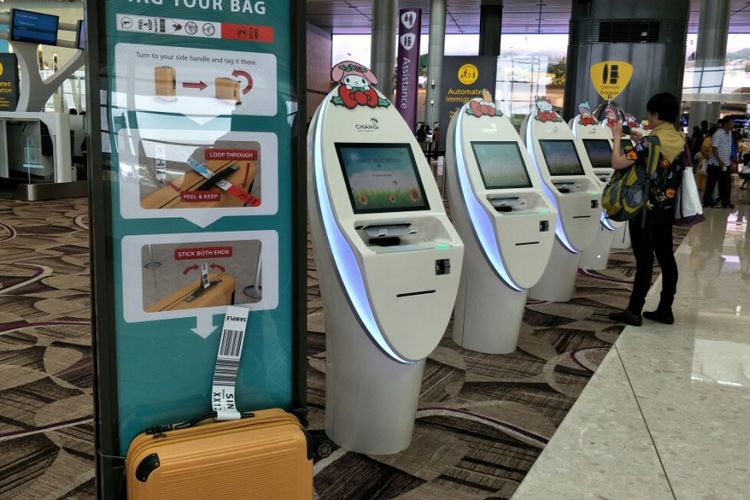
(408, 19)
(468, 74)
(368, 127)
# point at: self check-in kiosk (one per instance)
(596, 139)
(388, 262)
(570, 185)
(505, 222)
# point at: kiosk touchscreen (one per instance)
(388, 262)
(571, 187)
(596, 139)
(505, 222)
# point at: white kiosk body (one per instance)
(388, 265)
(505, 222)
(596, 139)
(571, 186)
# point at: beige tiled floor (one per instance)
(667, 414)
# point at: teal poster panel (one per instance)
(199, 111)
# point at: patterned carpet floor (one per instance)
(482, 420)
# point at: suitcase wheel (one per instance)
(324, 449)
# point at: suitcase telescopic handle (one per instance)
(162, 428)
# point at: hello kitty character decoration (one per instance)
(356, 86)
(483, 106)
(632, 121)
(641, 127)
(586, 116)
(611, 116)
(545, 112)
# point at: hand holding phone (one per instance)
(625, 127)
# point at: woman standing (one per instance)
(651, 230)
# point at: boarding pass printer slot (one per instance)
(567, 187)
(507, 203)
(386, 235)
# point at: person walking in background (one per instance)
(704, 127)
(735, 162)
(436, 138)
(696, 141)
(745, 171)
(722, 146)
(651, 230)
(422, 134)
(711, 171)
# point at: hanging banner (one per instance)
(407, 66)
(610, 78)
(198, 203)
(464, 78)
(8, 82)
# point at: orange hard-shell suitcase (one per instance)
(264, 456)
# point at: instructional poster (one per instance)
(196, 82)
(198, 126)
(172, 276)
(201, 177)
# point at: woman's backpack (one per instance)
(627, 191)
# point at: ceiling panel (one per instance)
(519, 16)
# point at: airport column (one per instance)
(648, 35)
(383, 43)
(710, 52)
(490, 27)
(435, 67)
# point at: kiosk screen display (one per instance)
(599, 151)
(33, 27)
(501, 165)
(561, 157)
(381, 177)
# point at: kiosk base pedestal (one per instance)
(621, 239)
(371, 399)
(559, 279)
(596, 256)
(488, 313)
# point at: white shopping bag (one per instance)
(688, 210)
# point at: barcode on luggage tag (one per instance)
(226, 372)
(231, 343)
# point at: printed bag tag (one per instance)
(228, 363)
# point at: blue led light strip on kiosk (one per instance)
(347, 266)
(481, 223)
(559, 227)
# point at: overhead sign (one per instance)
(463, 79)
(198, 197)
(8, 82)
(407, 67)
(610, 78)
(33, 27)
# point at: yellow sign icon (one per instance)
(611, 77)
(2, 69)
(468, 74)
